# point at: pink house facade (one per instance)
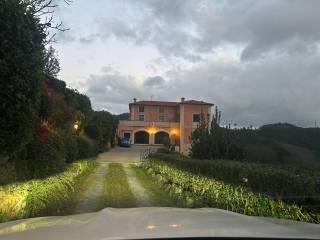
(153, 121)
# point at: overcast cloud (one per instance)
(259, 61)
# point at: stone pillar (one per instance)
(151, 138)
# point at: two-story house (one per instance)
(153, 122)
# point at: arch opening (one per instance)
(161, 137)
(141, 137)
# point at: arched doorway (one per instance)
(141, 137)
(161, 137)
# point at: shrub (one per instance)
(71, 147)
(50, 196)
(199, 191)
(47, 157)
(287, 183)
(86, 147)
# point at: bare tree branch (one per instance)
(41, 8)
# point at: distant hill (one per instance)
(283, 143)
(278, 125)
(122, 116)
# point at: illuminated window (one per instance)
(141, 117)
(161, 118)
(141, 108)
(196, 118)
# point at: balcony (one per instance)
(130, 123)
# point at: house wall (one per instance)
(187, 126)
(151, 113)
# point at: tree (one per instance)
(217, 142)
(51, 62)
(22, 40)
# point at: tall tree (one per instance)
(21, 65)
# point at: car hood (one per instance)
(156, 222)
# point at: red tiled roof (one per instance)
(155, 103)
(164, 103)
(196, 102)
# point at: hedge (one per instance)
(286, 183)
(52, 195)
(199, 191)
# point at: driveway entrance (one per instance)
(123, 155)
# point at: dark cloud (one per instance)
(156, 81)
(189, 28)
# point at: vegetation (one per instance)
(44, 125)
(199, 191)
(53, 195)
(280, 143)
(286, 183)
(116, 189)
(21, 63)
(211, 141)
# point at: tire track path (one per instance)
(92, 199)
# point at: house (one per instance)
(154, 122)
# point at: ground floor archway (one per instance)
(161, 137)
(141, 137)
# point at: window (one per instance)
(161, 109)
(141, 108)
(141, 117)
(161, 118)
(196, 118)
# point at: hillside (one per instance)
(283, 144)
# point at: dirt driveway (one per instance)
(123, 155)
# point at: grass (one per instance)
(117, 192)
(199, 191)
(158, 195)
(55, 195)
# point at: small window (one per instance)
(161, 109)
(141, 117)
(141, 108)
(161, 118)
(196, 118)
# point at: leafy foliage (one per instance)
(52, 66)
(101, 128)
(49, 196)
(286, 183)
(200, 191)
(21, 65)
(86, 147)
(211, 141)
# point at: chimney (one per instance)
(134, 100)
(182, 99)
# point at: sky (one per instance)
(258, 61)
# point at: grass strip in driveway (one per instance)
(117, 192)
(158, 196)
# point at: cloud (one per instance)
(258, 61)
(190, 28)
(156, 81)
(269, 90)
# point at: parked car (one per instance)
(125, 142)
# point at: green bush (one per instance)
(86, 147)
(47, 157)
(21, 65)
(71, 147)
(54, 195)
(200, 191)
(286, 183)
